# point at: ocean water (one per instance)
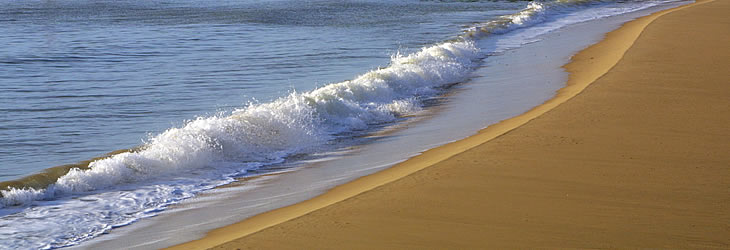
(197, 93)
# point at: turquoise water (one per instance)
(206, 91)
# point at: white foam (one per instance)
(540, 18)
(208, 151)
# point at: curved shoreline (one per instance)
(585, 67)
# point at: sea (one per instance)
(117, 113)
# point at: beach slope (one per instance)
(634, 152)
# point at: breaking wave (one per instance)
(267, 133)
(210, 151)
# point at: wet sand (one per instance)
(635, 157)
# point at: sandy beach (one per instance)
(632, 153)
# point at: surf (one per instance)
(208, 152)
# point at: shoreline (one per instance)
(584, 70)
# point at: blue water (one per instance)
(82, 78)
(205, 91)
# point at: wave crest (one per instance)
(268, 132)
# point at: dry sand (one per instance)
(638, 158)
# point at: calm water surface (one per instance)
(81, 78)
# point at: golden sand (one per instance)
(633, 152)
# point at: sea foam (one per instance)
(268, 132)
(210, 151)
